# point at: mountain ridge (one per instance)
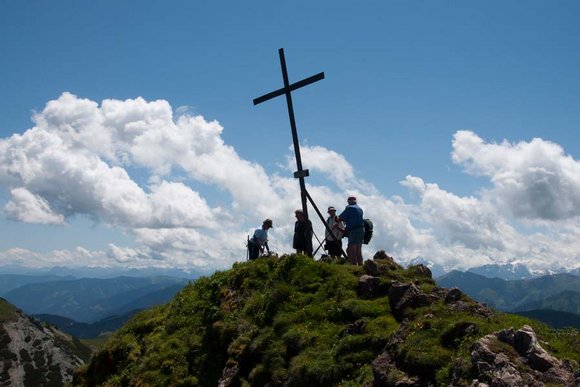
(292, 321)
(89, 299)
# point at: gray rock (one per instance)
(230, 375)
(371, 267)
(533, 367)
(403, 296)
(367, 286)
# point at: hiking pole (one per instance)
(248, 249)
(318, 248)
(316, 236)
(322, 219)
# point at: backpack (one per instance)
(368, 227)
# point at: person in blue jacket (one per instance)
(353, 218)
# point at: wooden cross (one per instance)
(300, 174)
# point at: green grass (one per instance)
(7, 311)
(298, 322)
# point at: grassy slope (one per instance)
(7, 310)
(287, 321)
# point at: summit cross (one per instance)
(288, 88)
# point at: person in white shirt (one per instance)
(259, 240)
(334, 244)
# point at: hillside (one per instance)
(32, 354)
(92, 299)
(516, 295)
(566, 301)
(291, 321)
(554, 318)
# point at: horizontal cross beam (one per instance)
(290, 88)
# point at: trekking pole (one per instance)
(248, 249)
(322, 219)
(313, 233)
(318, 248)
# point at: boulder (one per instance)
(406, 295)
(371, 268)
(230, 375)
(421, 270)
(523, 363)
(368, 286)
(385, 262)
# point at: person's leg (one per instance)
(359, 254)
(254, 251)
(356, 240)
(351, 254)
(331, 246)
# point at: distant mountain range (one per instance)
(87, 330)
(9, 282)
(536, 296)
(90, 299)
(506, 271)
(102, 272)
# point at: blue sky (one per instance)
(446, 97)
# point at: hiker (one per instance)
(259, 241)
(353, 217)
(334, 244)
(302, 234)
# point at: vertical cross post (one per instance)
(301, 173)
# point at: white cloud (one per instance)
(86, 159)
(28, 207)
(532, 180)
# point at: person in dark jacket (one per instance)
(302, 234)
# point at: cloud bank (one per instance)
(133, 165)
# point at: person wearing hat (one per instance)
(353, 218)
(334, 240)
(302, 241)
(259, 241)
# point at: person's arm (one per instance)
(340, 226)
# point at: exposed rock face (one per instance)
(34, 355)
(522, 362)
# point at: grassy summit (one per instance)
(294, 321)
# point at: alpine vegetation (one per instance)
(293, 321)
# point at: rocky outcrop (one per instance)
(35, 355)
(403, 296)
(508, 358)
(386, 373)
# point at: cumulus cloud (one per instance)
(533, 180)
(133, 164)
(28, 207)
